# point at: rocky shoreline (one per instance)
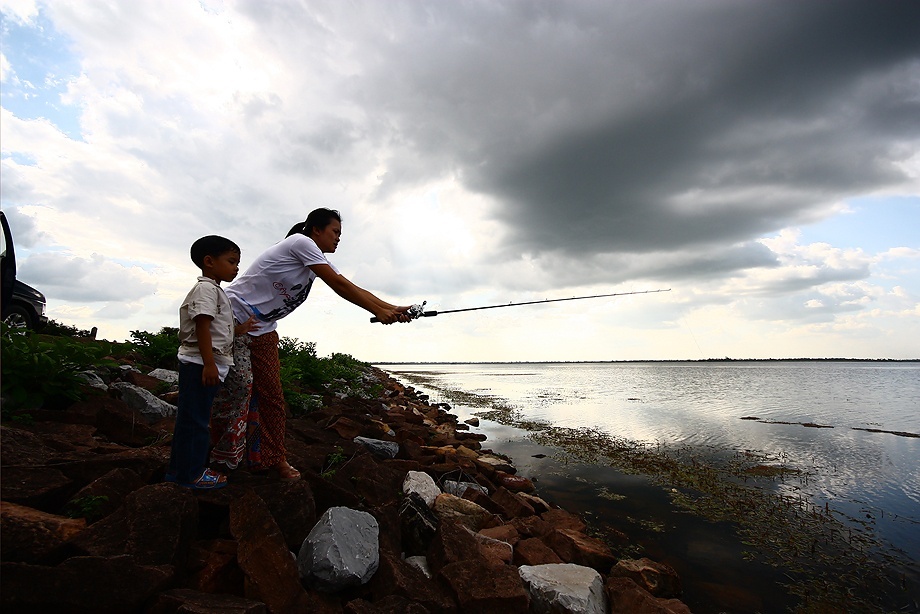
(400, 509)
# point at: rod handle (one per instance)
(425, 314)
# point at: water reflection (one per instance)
(868, 477)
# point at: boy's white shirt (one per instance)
(277, 282)
(207, 298)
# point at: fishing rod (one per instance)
(418, 311)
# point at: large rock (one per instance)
(451, 507)
(90, 585)
(624, 595)
(657, 578)
(166, 375)
(423, 485)
(564, 588)
(396, 576)
(105, 495)
(378, 447)
(486, 589)
(292, 506)
(44, 488)
(31, 536)
(156, 525)
(262, 554)
(151, 407)
(341, 551)
(532, 551)
(578, 548)
(190, 601)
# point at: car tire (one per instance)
(18, 316)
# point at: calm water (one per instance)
(871, 478)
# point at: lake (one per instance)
(846, 434)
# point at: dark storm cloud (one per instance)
(639, 127)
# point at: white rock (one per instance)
(564, 588)
(152, 407)
(421, 484)
(92, 379)
(421, 563)
(167, 375)
(341, 551)
(378, 447)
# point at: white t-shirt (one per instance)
(207, 298)
(276, 283)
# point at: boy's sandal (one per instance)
(287, 472)
(209, 480)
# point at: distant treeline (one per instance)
(605, 362)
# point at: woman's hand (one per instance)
(396, 314)
(245, 327)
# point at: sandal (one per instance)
(287, 472)
(208, 480)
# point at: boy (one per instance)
(206, 330)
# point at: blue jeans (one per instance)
(191, 436)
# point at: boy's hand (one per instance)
(209, 375)
(245, 327)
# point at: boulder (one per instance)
(657, 578)
(74, 585)
(514, 483)
(512, 505)
(292, 507)
(104, 495)
(31, 536)
(341, 551)
(459, 488)
(190, 601)
(624, 595)
(156, 524)
(451, 507)
(564, 588)
(270, 569)
(151, 407)
(578, 548)
(166, 375)
(379, 448)
(486, 589)
(532, 551)
(400, 577)
(423, 485)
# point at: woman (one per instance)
(249, 411)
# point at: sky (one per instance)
(761, 160)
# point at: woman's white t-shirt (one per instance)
(276, 283)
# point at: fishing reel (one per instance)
(416, 311)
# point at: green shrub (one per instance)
(303, 374)
(42, 371)
(158, 349)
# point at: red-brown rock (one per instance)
(31, 536)
(532, 551)
(74, 585)
(561, 519)
(190, 601)
(657, 578)
(486, 589)
(578, 548)
(624, 595)
(512, 505)
(394, 576)
(263, 555)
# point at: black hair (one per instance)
(211, 245)
(318, 218)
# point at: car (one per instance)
(22, 305)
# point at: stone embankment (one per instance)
(400, 509)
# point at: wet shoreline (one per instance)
(738, 543)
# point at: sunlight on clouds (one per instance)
(21, 11)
